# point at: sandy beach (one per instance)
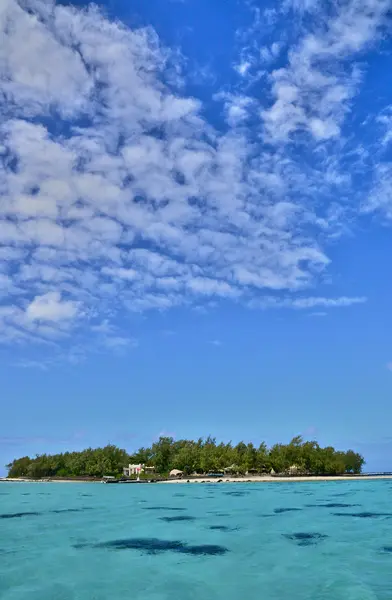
(269, 479)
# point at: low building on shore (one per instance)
(137, 469)
(295, 470)
(232, 470)
(176, 473)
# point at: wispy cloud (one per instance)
(39, 440)
(312, 93)
(306, 303)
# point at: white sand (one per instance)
(268, 478)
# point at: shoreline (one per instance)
(253, 479)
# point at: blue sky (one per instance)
(196, 203)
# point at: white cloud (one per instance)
(118, 342)
(312, 302)
(51, 307)
(301, 6)
(380, 197)
(243, 67)
(313, 91)
(31, 85)
(385, 119)
(210, 287)
(118, 195)
(305, 303)
(270, 53)
(237, 108)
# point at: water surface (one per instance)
(267, 541)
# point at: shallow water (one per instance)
(272, 541)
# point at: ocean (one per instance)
(266, 541)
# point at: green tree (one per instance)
(162, 454)
(201, 456)
(353, 462)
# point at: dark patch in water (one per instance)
(26, 494)
(332, 505)
(218, 514)
(363, 515)
(179, 518)
(236, 493)
(223, 528)
(305, 539)
(19, 515)
(279, 511)
(3, 551)
(386, 549)
(86, 495)
(58, 511)
(179, 495)
(156, 546)
(163, 508)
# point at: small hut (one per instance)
(232, 470)
(294, 470)
(176, 473)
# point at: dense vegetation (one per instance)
(201, 456)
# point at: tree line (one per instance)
(201, 456)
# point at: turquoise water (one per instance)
(294, 541)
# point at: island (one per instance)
(178, 459)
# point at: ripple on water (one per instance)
(331, 505)
(179, 518)
(362, 515)
(20, 515)
(223, 528)
(174, 508)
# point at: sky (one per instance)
(195, 223)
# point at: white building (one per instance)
(132, 470)
(137, 469)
